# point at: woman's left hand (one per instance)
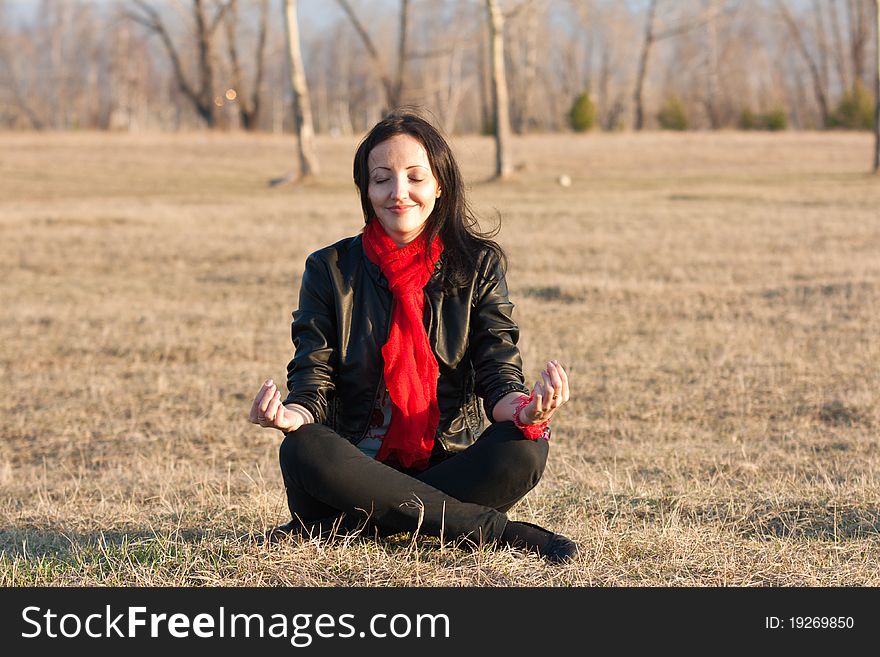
(548, 394)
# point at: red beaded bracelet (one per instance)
(530, 431)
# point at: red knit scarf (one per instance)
(410, 366)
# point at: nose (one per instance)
(400, 190)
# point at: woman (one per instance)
(399, 331)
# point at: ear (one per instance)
(439, 191)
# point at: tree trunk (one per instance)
(839, 58)
(712, 77)
(877, 93)
(397, 96)
(638, 95)
(815, 74)
(531, 69)
(500, 100)
(822, 43)
(308, 159)
(858, 29)
(256, 93)
(248, 104)
(206, 107)
(485, 82)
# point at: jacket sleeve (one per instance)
(494, 334)
(310, 372)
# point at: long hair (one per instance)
(452, 218)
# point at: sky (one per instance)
(313, 13)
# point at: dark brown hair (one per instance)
(452, 218)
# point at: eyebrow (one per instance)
(411, 166)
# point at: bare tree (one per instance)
(822, 43)
(500, 95)
(12, 90)
(500, 100)
(606, 26)
(813, 66)
(857, 18)
(853, 51)
(308, 158)
(877, 91)
(712, 74)
(392, 87)
(647, 44)
(652, 35)
(839, 50)
(524, 70)
(201, 94)
(69, 66)
(484, 66)
(248, 105)
(440, 76)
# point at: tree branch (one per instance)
(154, 23)
(808, 58)
(713, 12)
(512, 12)
(371, 49)
(219, 16)
(262, 39)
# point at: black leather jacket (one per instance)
(343, 320)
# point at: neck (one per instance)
(400, 239)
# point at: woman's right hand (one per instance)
(268, 411)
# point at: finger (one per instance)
(274, 405)
(271, 406)
(549, 391)
(267, 397)
(539, 399)
(558, 385)
(263, 396)
(555, 377)
(269, 413)
(565, 393)
(255, 407)
(560, 381)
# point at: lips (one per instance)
(400, 209)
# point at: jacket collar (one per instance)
(372, 268)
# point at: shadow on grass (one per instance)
(805, 520)
(67, 546)
(148, 546)
(812, 521)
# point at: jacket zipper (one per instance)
(381, 377)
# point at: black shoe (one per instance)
(324, 528)
(556, 548)
(282, 532)
(561, 549)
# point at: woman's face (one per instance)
(402, 188)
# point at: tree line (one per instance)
(480, 66)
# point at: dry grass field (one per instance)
(716, 297)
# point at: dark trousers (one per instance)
(466, 495)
